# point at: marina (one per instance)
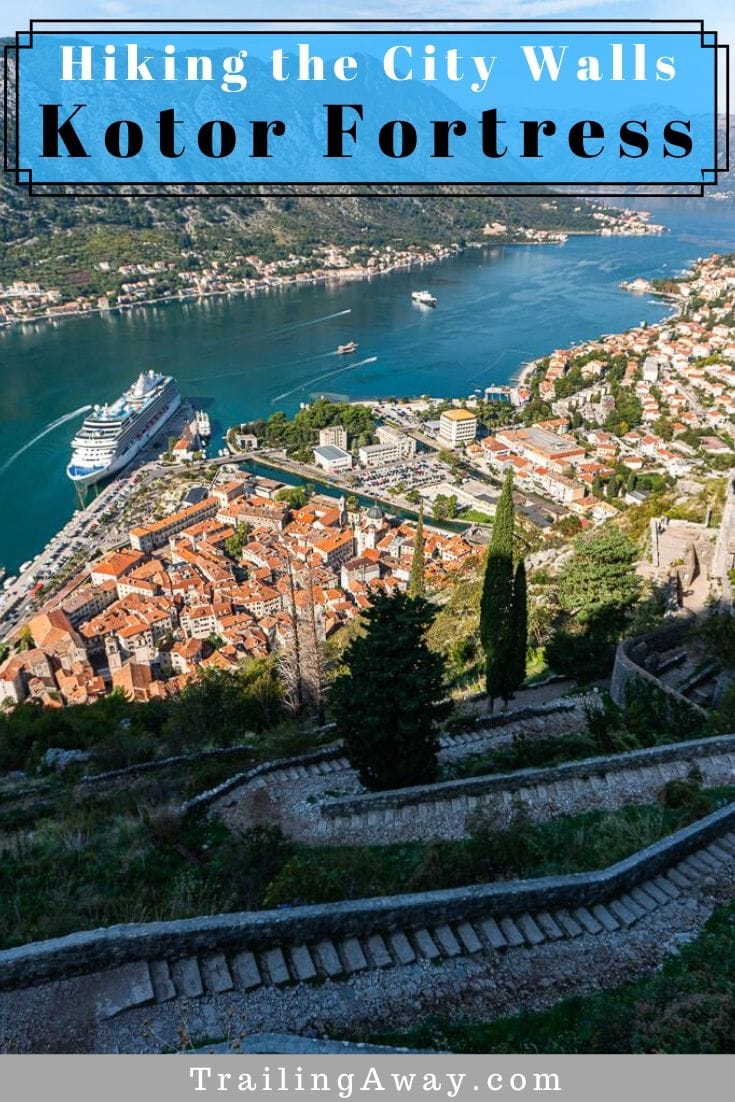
(241, 358)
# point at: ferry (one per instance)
(112, 435)
(351, 346)
(203, 426)
(424, 298)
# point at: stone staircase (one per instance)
(686, 674)
(217, 972)
(298, 772)
(447, 809)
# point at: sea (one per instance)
(245, 357)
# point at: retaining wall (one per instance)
(630, 654)
(691, 751)
(98, 950)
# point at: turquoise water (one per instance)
(244, 357)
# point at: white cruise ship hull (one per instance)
(82, 474)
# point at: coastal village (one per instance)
(231, 569)
(193, 275)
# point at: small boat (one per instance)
(424, 298)
(351, 346)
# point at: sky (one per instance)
(715, 15)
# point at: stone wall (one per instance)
(99, 950)
(276, 765)
(632, 653)
(446, 810)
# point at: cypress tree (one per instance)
(496, 606)
(389, 702)
(416, 586)
(520, 624)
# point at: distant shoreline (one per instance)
(277, 283)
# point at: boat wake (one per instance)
(289, 327)
(282, 331)
(326, 375)
(49, 428)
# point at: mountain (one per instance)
(56, 240)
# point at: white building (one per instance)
(333, 435)
(377, 455)
(332, 458)
(457, 426)
(394, 437)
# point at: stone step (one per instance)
(276, 967)
(727, 846)
(379, 951)
(694, 869)
(495, 936)
(706, 859)
(667, 887)
(636, 908)
(187, 978)
(530, 930)
(401, 947)
(621, 912)
(302, 963)
(425, 944)
(678, 877)
(587, 920)
(568, 924)
(245, 971)
(719, 854)
(468, 936)
(352, 955)
(329, 958)
(643, 899)
(163, 988)
(122, 988)
(551, 929)
(216, 974)
(512, 934)
(656, 894)
(447, 942)
(606, 919)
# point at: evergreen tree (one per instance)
(388, 703)
(416, 586)
(496, 606)
(520, 624)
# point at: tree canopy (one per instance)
(390, 699)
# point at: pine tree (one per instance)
(416, 585)
(388, 703)
(520, 624)
(496, 606)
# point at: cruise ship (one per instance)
(112, 435)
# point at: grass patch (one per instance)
(96, 859)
